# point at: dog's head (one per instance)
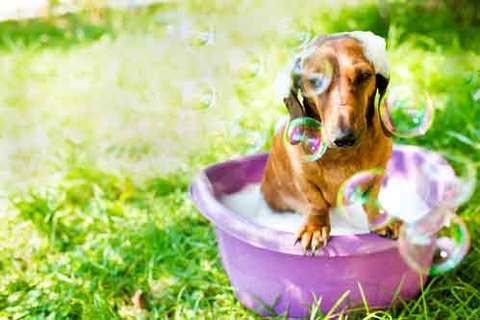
(335, 82)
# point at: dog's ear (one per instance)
(293, 104)
(381, 89)
(381, 84)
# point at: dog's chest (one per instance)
(330, 172)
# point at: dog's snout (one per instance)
(346, 139)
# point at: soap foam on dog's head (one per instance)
(374, 48)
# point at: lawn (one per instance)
(107, 115)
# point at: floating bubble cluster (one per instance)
(306, 132)
(407, 114)
(362, 189)
(432, 241)
(435, 244)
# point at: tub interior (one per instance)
(410, 191)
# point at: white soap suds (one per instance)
(374, 48)
(398, 197)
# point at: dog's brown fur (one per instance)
(310, 188)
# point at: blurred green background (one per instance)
(108, 112)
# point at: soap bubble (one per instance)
(407, 114)
(203, 37)
(313, 82)
(436, 243)
(199, 95)
(358, 191)
(307, 132)
(250, 140)
(453, 179)
(461, 188)
(191, 32)
(249, 68)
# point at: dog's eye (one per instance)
(317, 82)
(364, 76)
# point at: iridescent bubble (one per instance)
(407, 114)
(453, 179)
(313, 82)
(308, 134)
(461, 187)
(250, 140)
(359, 190)
(191, 32)
(250, 68)
(199, 95)
(436, 243)
(204, 37)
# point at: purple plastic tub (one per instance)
(272, 276)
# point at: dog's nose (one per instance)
(347, 139)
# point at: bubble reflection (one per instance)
(407, 114)
(435, 244)
(199, 95)
(360, 190)
(308, 134)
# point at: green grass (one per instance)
(98, 147)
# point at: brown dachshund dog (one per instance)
(356, 138)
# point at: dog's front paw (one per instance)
(313, 234)
(391, 231)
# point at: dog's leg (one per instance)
(316, 229)
(372, 209)
(271, 189)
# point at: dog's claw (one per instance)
(391, 231)
(305, 252)
(312, 240)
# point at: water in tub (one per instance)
(398, 197)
